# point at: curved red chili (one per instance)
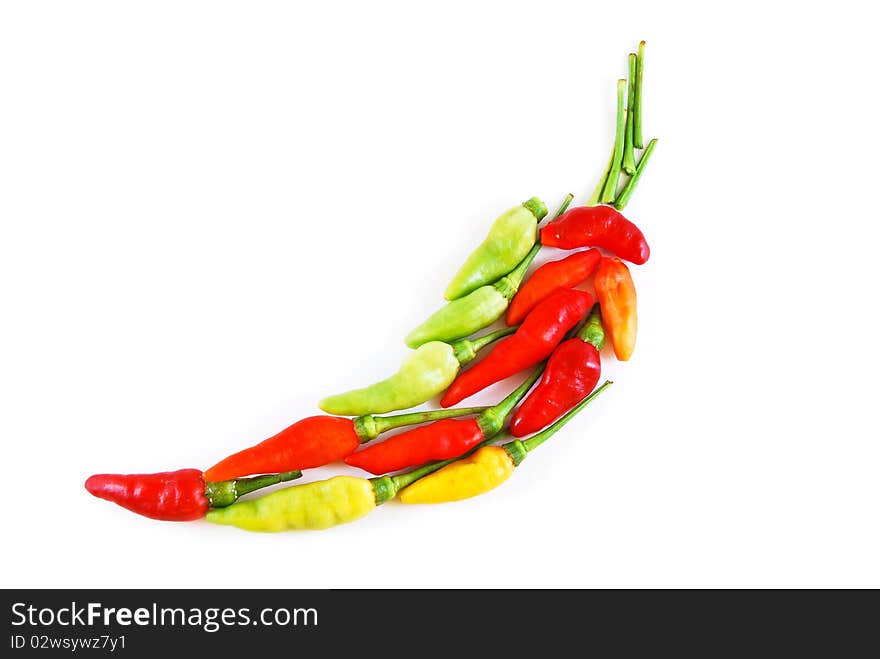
(564, 273)
(571, 373)
(176, 496)
(310, 442)
(597, 226)
(539, 334)
(438, 441)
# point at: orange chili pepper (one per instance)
(617, 299)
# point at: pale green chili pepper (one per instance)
(424, 374)
(318, 505)
(511, 237)
(478, 309)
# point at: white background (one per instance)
(213, 214)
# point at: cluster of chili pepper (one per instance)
(554, 330)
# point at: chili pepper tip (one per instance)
(94, 483)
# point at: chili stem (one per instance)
(536, 207)
(629, 156)
(562, 207)
(247, 485)
(224, 493)
(492, 420)
(465, 350)
(637, 115)
(622, 200)
(592, 332)
(482, 341)
(596, 197)
(385, 423)
(535, 441)
(610, 190)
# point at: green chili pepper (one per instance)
(461, 317)
(424, 374)
(511, 237)
(478, 309)
(317, 505)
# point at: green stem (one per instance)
(596, 197)
(536, 207)
(465, 349)
(592, 331)
(629, 156)
(535, 441)
(622, 200)
(369, 427)
(224, 493)
(637, 115)
(562, 208)
(492, 420)
(509, 284)
(610, 189)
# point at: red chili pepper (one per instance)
(565, 273)
(311, 442)
(176, 496)
(440, 440)
(437, 441)
(571, 373)
(539, 334)
(597, 226)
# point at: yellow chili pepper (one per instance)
(317, 505)
(471, 476)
